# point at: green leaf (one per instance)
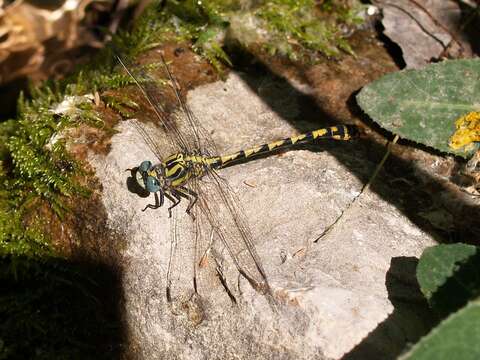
(457, 337)
(449, 276)
(422, 105)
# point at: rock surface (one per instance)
(423, 35)
(330, 293)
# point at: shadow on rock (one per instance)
(58, 309)
(418, 192)
(411, 318)
(133, 186)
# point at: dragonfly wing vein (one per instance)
(222, 211)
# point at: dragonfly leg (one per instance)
(158, 202)
(183, 192)
(175, 199)
(191, 195)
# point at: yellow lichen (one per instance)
(468, 130)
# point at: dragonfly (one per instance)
(186, 169)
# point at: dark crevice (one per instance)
(392, 47)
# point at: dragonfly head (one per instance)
(146, 177)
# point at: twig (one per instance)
(364, 189)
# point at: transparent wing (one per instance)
(152, 144)
(217, 212)
(151, 92)
(194, 134)
(219, 207)
(185, 132)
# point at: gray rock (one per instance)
(330, 294)
(424, 36)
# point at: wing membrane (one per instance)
(151, 92)
(198, 139)
(217, 213)
(219, 207)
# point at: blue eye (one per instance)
(151, 184)
(145, 166)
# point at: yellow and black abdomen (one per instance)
(340, 132)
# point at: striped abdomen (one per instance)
(340, 132)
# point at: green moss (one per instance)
(286, 27)
(30, 169)
(122, 105)
(16, 240)
(295, 25)
(33, 162)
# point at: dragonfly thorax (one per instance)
(180, 167)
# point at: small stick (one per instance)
(364, 189)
